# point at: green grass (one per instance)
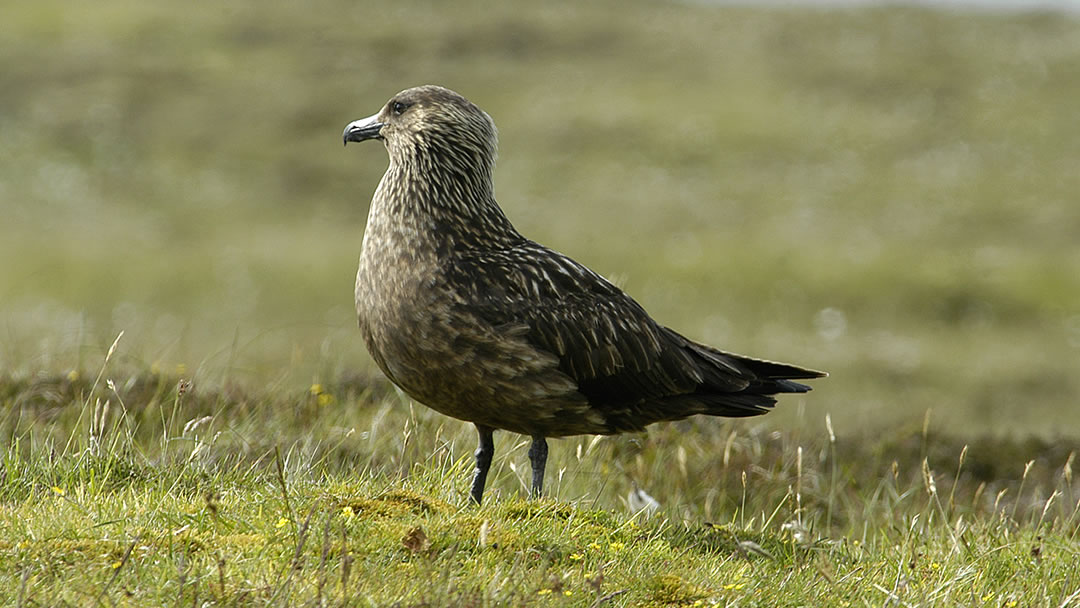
(139, 508)
(887, 194)
(144, 489)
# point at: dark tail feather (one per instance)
(770, 378)
(734, 385)
(772, 370)
(787, 386)
(725, 372)
(756, 399)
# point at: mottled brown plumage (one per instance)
(475, 321)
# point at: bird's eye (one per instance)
(398, 107)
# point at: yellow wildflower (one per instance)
(575, 557)
(316, 389)
(58, 490)
(544, 592)
(281, 523)
(616, 546)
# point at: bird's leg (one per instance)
(538, 458)
(484, 453)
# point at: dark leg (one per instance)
(538, 458)
(484, 453)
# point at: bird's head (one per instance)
(430, 120)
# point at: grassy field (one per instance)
(886, 194)
(164, 494)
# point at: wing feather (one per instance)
(630, 370)
(604, 340)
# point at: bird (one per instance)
(474, 320)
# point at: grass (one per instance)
(140, 488)
(888, 194)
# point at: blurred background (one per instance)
(889, 194)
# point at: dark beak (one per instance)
(363, 129)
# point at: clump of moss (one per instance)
(396, 503)
(670, 590)
(538, 509)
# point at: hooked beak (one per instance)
(363, 129)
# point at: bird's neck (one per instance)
(450, 206)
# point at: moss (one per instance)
(395, 504)
(670, 590)
(537, 509)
